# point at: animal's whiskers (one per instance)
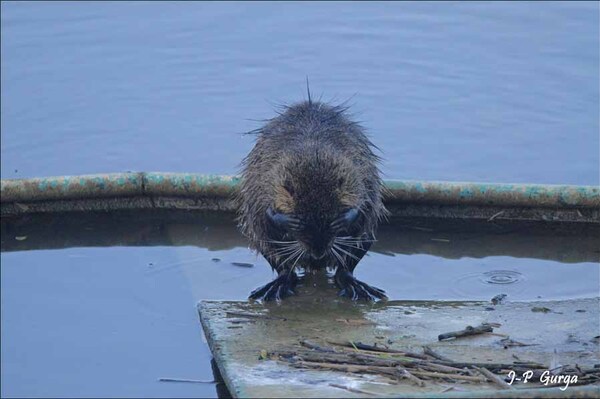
(338, 257)
(345, 252)
(296, 261)
(354, 239)
(353, 246)
(286, 250)
(280, 242)
(297, 253)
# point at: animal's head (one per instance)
(318, 203)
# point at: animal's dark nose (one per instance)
(318, 249)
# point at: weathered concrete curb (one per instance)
(192, 185)
(116, 185)
(214, 192)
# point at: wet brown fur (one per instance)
(313, 161)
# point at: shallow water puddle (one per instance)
(124, 286)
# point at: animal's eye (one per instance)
(282, 220)
(288, 187)
(346, 219)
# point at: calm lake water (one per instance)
(495, 92)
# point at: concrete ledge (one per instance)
(214, 192)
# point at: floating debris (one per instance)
(242, 264)
(540, 309)
(20, 238)
(216, 259)
(509, 343)
(186, 380)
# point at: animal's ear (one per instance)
(283, 221)
(346, 219)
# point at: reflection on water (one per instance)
(406, 250)
(567, 243)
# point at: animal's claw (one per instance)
(278, 289)
(356, 290)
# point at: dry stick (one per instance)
(496, 366)
(408, 375)
(350, 368)
(318, 348)
(443, 368)
(469, 330)
(352, 389)
(428, 351)
(186, 380)
(450, 376)
(494, 378)
(499, 335)
(336, 357)
(495, 215)
(350, 349)
(342, 358)
(372, 348)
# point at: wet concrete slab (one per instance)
(245, 339)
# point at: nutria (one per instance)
(310, 197)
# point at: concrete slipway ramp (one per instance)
(270, 351)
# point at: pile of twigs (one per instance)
(417, 368)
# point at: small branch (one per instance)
(186, 380)
(408, 375)
(311, 345)
(495, 215)
(443, 368)
(379, 349)
(468, 331)
(428, 351)
(448, 376)
(500, 383)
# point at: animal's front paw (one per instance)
(355, 289)
(283, 286)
